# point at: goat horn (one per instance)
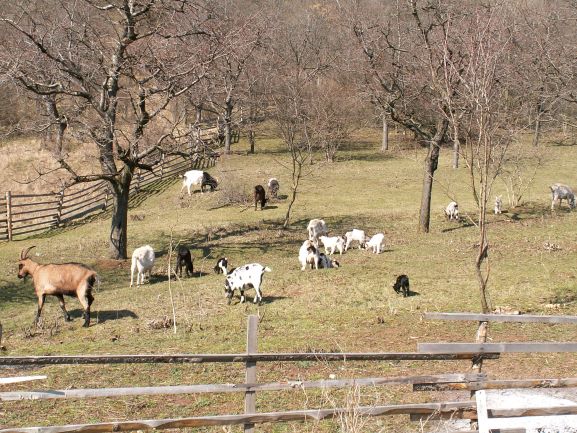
(24, 252)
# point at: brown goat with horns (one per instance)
(70, 279)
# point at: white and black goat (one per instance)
(325, 262)
(452, 211)
(273, 187)
(221, 266)
(70, 279)
(355, 235)
(309, 255)
(333, 243)
(243, 278)
(259, 197)
(142, 262)
(316, 228)
(560, 192)
(198, 177)
(376, 243)
(184, 259)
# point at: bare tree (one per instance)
(106, 73)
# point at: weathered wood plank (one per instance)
(251, 347)
(533, 411)
(548, 347)
(236, 357)
(497, 384)
(520, 318)
(202, 421)
(482, 415)
(8, 380)
(230, 387)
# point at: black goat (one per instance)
(184, 258)
(402, 284)
(259, 197)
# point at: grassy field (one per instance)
(352, 308)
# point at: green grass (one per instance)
(352, 308)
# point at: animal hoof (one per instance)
(68, 319)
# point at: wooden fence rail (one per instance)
(32, 213)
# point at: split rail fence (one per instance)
(26, 214)
(430, 411)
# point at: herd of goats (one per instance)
(78, 280)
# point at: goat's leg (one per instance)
(258, 296)
(41, 300)
(242, 299)
(63, 307)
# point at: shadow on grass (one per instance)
(22, 291)
(249, 300)
(107, 315)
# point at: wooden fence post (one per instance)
(106, 197)
(251, 348)
(162, 165)
(9, 214)
(138, 178)
(59, 207)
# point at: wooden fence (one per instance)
(418, 411)
(25, 214)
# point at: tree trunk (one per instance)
(227, 126)
(431, 163)
(456, 147)
(385, 143)
(119, 225)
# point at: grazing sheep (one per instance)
(498, 204)
(560, 192)
(402, 284)
(273, 187)
(142, 261)
(221, 266)
(452, 211)
(376, 243)
(70, 279)
(259, 197)
(184, 258)
(355, 235)
(198, 177)
(308, 255)
(316, 228)
(332, 243)
(245, 277)
(325, 262)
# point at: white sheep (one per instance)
(333, 243)
(498, 204)
(452, 211)
(142, 261)
(308, 255)
(355, 235)
(316, 228)
(245, 277)
(376, 243)
(559, 192)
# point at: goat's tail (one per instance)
(267, 269)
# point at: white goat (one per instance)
(142, 262)
(333, 243)
(355, 235)
(559, 192)
(273, 187)
(452, 211)
(325, 262)
(245, 277)
(316, 228)
(198, 177)
(376, 243)
(308, 255)
(498, 205)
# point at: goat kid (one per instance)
(316, 228)
(376, 243)
(142, 262)
(498, 204)
(221, 266)
(355, 235)
(309, 255)
(325, 262)
(333, 243)
(402, 285)
(259, 197)
(198, 177)
(273, 187)
(452, 211)
(245, 277)
(559, 192)
(184, 259)
(70, 279)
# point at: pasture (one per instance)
(351, 309)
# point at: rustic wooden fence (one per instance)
(25, 214)
(418, 411)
